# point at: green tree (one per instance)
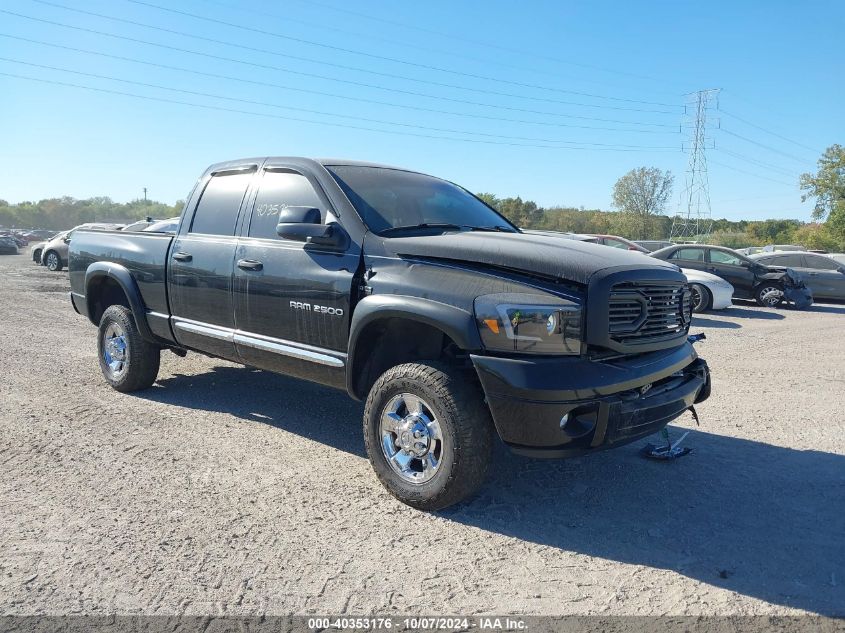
(827, 185)
(640, 195)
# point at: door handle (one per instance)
(249, 264)
(182, 257)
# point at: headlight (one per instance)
(529, 324)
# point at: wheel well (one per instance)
(392, 341)
(104, 292)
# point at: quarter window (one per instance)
(280, 189)
(217, 210)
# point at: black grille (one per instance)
(649, 312)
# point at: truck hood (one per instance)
(550, 256)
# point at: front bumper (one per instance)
(563, 407)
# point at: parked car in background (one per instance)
(652, 245)
(54, 253)
(581, 237)
(164, 226)
(824, 275)
(37, 249)
(140, 225)
(709, 292)
(8, 246)
(839, 257)
(750, 250)
(619, 242)
(771, 248)
(750, 279)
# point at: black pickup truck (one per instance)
(408, 292)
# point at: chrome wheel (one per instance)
(52, 261)
(115, 353)
(411, 438)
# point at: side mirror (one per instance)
(842, 269)
(305, 224)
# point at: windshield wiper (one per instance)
(498, 227)
(424, 225)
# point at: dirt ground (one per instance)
(224, 490)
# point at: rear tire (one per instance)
(128, 362)
(763, 298)
(429, 434)
(52, 261)
(701, 298)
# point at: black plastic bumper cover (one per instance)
(560, 407)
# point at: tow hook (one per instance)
(695, 338)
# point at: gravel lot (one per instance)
(224, 490)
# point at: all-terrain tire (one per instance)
(140, 358)
(457, 403)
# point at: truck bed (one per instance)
(142, 254)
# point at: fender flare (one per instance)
(458, 324)
(124, 279)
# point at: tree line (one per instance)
(639, 200)
(59, 214)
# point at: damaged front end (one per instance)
(792, 290)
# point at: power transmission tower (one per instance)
(696, 222)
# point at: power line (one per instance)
(334, 79)
(404, 43)
(757, 162)
(346, 67)
(487, 44)
(323, 113)
(392, 59)
(300, 120)
(326, 94)
(749, 173)
(762, 129)
(768, 147)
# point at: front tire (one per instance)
(36, 257)
(53, 261)
(429, 434)
(701, 298)
(128, 362)
(769, 295)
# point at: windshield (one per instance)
(390, 199)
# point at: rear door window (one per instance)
(689, 254)
(820, 263)
(217, 210)
(792, 261)
(280, 189)
(721, 257)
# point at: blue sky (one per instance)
(552, 101)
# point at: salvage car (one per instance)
(823, 274)
(750, 279)
(8, 246)
(55, 252)
(619, 242)
(709, 292)
(410, 293)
